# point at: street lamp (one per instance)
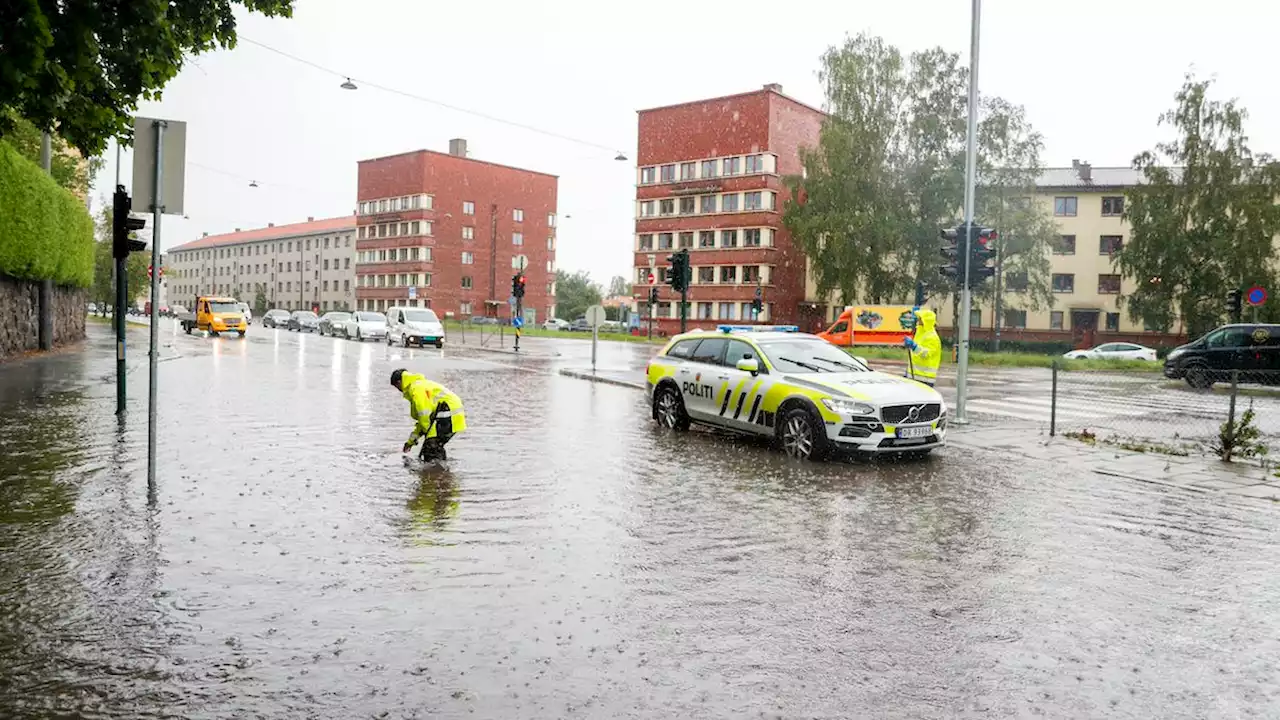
(621, 157)
(348, 85)
(253, 183)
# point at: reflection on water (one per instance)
(574, 561)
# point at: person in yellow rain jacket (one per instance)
(436, 412)
(925, 347)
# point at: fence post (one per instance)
(1231, 405)
(1053, 402)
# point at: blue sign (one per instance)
(1256, 296)
(517, 321)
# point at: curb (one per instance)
(504, 351)
(592, 377)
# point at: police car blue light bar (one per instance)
(758, 328)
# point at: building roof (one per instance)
(271, 232)
(1082, 176)
(770, 88)
(458, 157)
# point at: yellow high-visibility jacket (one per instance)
(436, 411)
(927, 354)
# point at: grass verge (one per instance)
(1010, 359)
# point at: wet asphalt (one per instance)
(574, 561)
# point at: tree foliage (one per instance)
(619, 286)
(67, 167)
(1203, 220)
(575, 293)
(103, 290)
(80, 67)
(888, 173)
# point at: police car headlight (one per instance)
(848, 407)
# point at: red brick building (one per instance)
(710, 181)
(446, 232)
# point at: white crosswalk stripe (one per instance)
(1090, 407)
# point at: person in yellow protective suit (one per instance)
(436, 412)
(925, 347)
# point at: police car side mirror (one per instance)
(861, 360)
(750, 365)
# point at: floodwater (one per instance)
(573, 561)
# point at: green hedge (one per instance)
(45, 231)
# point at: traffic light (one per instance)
(1233, 305)
(653, 296)
(982, 250)
(122, 225)
(953, 269)
(517, 285)
(679, 273)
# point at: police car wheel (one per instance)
(801, 436)
(668, 408)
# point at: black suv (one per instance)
(1251, 348)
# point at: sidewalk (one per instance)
(1199, 474)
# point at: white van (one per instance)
(414, 326)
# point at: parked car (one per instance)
(332, 323)
(611, 326)
(580, 325)
(555, 324)
(276, 318)
(364, 324)
(1114, 351)
(1250, 348)
(414, 326)
(304, 321)
(175, 311)
(482, 320)
(246, 311)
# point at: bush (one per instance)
(45, 231)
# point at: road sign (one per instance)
(413, 293)
(517, 321)
(1256, 295)
(653, 279)
(173, 179)
(595, 315)
(511, 301)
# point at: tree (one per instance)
(1204, 218)
(575, 293)
(67, 167)
(619, 287)
(80, 67)
(260, 299)
(103, 291)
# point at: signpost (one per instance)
(595, 318)
(1256, 296)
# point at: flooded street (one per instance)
(574, 561)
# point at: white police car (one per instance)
(799, 389)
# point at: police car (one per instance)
(796, 388)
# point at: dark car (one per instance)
(580, 325)
(334, 323)
(1251, 349)
(276, 319)
(304, 321)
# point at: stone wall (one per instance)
(20, 317)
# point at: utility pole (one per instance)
(157, 209)
(45, 319)
(970, 172)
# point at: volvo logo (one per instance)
(914, 413)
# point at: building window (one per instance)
(346, 284)
(706, 238)
(466, 282)
(975, 318)
(728, 238)
(752, 201)
(668, 173)
(468, 207)
(464, 308)
(517, 238)
(551, 219)
(646, 208)
(1055, 320)
(1066, 245)
(289, 266)
(325, 286)
(706, 274)
(708, 203)
(686, 240)
(704, 310)
(1065, 206)
(729, 203)
(1015, 281)
(326, 245)
(646, 241)
(1113, 206)
(666, 207)
(751, 274)
(1113, 322)
(517, 215)
(1110, 244)
(732, 166)
(1108, 284)
(326, 264)
(708, 168)
(688, 205)
(468, 259)
(551, 244)
(729, 274)
(726, 311)
(1064, 283)
(688, 171)
(755, 163)
(648, 175)
(751, 237)
(468, 232)
(665, 241)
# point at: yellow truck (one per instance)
(215, 315)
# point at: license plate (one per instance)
(915, 432)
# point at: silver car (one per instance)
(365, 325)
(332, 323)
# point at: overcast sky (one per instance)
(1094, 75)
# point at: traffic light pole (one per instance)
(122, 298)
(519, 314)
(970, 171)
